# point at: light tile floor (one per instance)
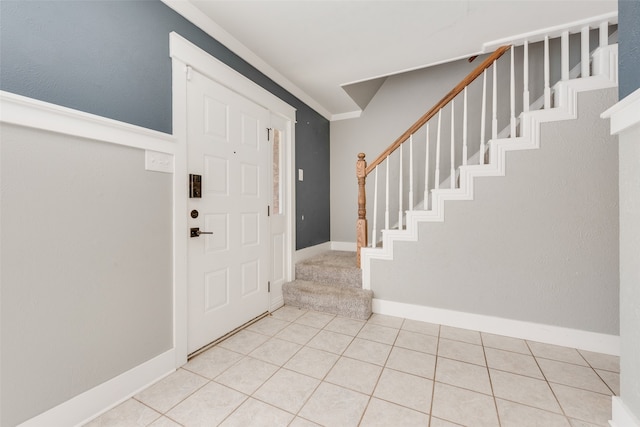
(303, 368)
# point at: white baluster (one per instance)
(452, 172)
(494, 105)
(436, 184)
(411, 173)
(483, 116)
(426, 172)
(584, 51)
(547, 89)
(464, 129)
(400, 175)
(525, 77)
(374, 240)
(564, 56)
(604, 34)
(513, 94)
(386, 209)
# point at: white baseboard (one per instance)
(566, 337)
(343, 246)
(621, 415)
(302, 254)
(90, 404)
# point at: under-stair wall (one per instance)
(538, 245)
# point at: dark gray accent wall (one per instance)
(629, 46)
(111, 58)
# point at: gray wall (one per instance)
(111, 58)
(629, 49)
(629, 72)
(86, 260)
(538, 245)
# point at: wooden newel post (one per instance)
(361, 224)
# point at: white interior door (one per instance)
(229, 269)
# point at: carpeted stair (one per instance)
(330, 283)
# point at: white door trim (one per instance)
(185, 54)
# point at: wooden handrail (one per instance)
(433, 111)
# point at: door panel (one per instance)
(229, 269)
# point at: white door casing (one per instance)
(186, 55)
(229, 269)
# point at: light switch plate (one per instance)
(159, 162)
(300, 175)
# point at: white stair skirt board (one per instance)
(566, 96)
(92, 403)
(621, 415)
(566, 337)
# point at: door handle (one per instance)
(195, 232)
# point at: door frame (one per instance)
(186, 55)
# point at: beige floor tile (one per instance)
(368, 351)
(332, 342)
(384, 320)
(315, 319)
(416, 341)
(412, 362)
(169, 391)
(505, 343)
(556, 352)
(301, 422)
(212, 362)
(208, 406)
(605, 362)
(437, 422)
(128, 413)
(253, 413)
(288, 313)
(583, 405)
(517, 415)
(512, 362)
(421, 327)
(164, 422)
(612, 379)
(377, 333)
(297, 333)
(347, 406)
(380, 413)
(573, 375)
(345, 326)
(458, 350)
(354, 375)
(464, 375)
(287, 390)
(578, 423)
(312, 362)
(525, 390)
(463, 406)
(247, 375)
(276, 351)
(458, 334)
(244, 342)
(405, 390)
(268, 326)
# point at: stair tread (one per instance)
(336, 267)
(329, 298)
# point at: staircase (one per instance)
(330, 282)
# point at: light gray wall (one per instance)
(86, 260)
(538, 245)
(629, 147)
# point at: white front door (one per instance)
(229, 269)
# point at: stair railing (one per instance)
(430, 126)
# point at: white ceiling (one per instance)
(315, 47)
